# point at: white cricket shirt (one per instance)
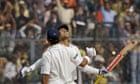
(59, 62)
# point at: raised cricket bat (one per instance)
(118, 58)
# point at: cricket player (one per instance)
(58, 62)
(64, 35)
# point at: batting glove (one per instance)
(91, 52)
(102, 71)
(23, 71)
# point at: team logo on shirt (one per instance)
(75, 56)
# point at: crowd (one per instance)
(99, 19)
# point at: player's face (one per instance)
(64, 34)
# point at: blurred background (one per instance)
(107, 25)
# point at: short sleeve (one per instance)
(46, 63)
(75, 55)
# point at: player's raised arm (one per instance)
(58, 2)
(78, 59)
(82, 62)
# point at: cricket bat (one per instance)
(118, 58)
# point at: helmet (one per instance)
(53, 36)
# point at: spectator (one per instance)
(91, 5)
(103, 31)
(108, 13)
(21, 51)
(7, 7)
(65, 14)
(47, 15)
(117, 6)
(91, 24)
(132, 16)
(82, 3)
(99, 49)
(8, 30)
(129, 29)
(9, 33)
(33, 31)
(24, 8)
(10, 72)
(99, 15)
(3, 62)
(53, 21)
(114, 30)
(99, 63)
(34, 9)
(124, 10)
(135, 67)
(36, 13)
(134, 54)
(21, 19)
(80, 21)
(47, 2)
